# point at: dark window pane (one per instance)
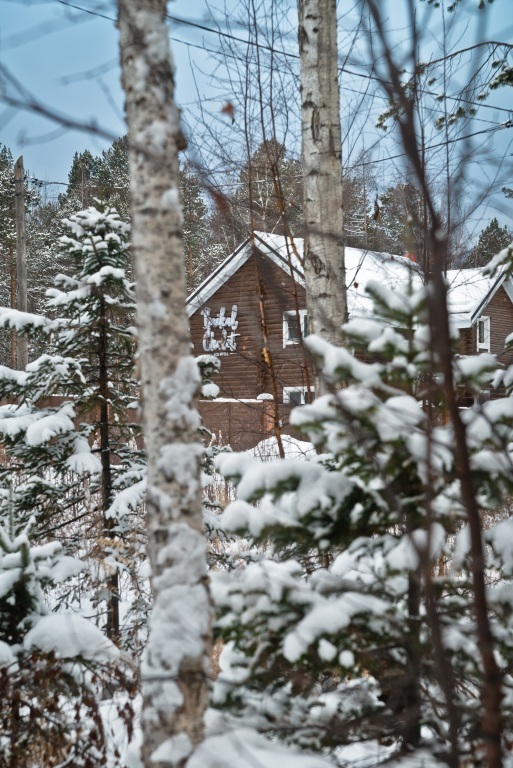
(293, 328)
(295, 397)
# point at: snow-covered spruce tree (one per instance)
(69, 436)
(359, 625)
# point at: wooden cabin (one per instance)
(251, 312)
(482, 310)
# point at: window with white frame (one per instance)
(483, 334)
(482, 397)
(298, 395)
(295, 326)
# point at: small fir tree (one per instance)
(71, 439)
(358, 623)
(55, 668)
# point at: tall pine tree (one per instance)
(491, 241)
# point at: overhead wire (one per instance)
(263, 181)
(272, 49)
(203, 27)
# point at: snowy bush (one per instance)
(55, 668)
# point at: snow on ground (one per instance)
(294, 449)
(245, 748)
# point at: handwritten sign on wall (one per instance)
(219, 336)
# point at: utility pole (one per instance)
(12, 276)
(21, 257)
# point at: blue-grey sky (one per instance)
(41, 44)
(66, 59)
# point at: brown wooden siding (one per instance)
(262, 292)
(242, 424)
(500, 312)
(467, 341)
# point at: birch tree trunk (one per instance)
(175, 666)
(322, 167)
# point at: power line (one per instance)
(280, 52)
(496, 127)
(43, 182)
(86, 10)
(344, 87)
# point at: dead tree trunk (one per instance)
(175, 666)
(106, 477)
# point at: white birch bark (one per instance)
(322, 168)
(175, 666)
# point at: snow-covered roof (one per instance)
(469, 290)
(362, 266)
(469, 293)
(283, 251)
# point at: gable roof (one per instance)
(469, 292)
(469, 289)
(284, 252)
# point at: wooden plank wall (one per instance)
(242, 424)
(500, 312)
(262, 292)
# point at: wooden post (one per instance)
(21, 257)
(12, 274)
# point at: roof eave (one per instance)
(232, 264)
(489, 296)
(218, 277)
